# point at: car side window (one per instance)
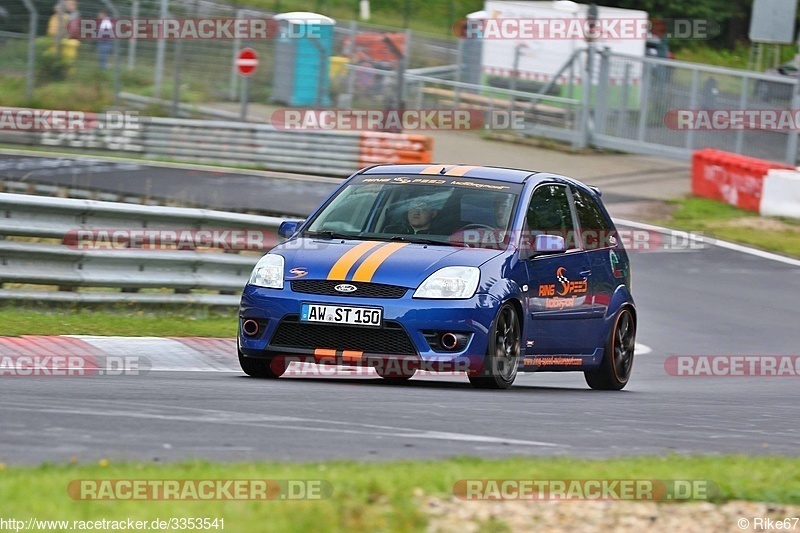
(596, 231)
(549, 213)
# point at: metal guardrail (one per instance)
(24, 259)
(327, 153)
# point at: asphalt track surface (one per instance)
(706, 302)
(232, 190)
(713, 301)
(268, 192)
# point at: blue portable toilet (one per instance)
(303, 48)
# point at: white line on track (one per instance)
(716, 242)
(215, 416)
(642, 349)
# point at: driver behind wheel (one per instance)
(417, 221)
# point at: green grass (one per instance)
(423, 15)
(737, 57)
(723, 221)
(368, 496)
(118, 320)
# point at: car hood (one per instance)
(391, 263)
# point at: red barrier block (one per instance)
(732, 178)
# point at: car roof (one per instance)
(510, 175)
(504, 174)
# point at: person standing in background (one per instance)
(104, 42)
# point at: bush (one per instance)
(50, 66)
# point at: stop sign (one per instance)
(247, 61)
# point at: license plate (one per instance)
(339, 314)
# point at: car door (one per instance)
(559, 288)
(599, 240)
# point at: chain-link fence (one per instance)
(181, 70)
(650, 105)
(596, 97)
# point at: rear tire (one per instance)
(502, 359)
(262, 368)
(615, 369)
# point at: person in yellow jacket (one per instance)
(58, 26)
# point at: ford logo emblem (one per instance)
(346, 287)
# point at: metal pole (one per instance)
(622, 119)
(601, 102)
(401, 76)
(176, 81)
(791, 144)
(31, 48)
(514, 75)
(351, 73)
(132, 41)
(160, 51)
(742, 105)
(59, 29)
(644, 100)
(401, 57)
(693, 106)
(584, 135)
(237, 45)
(460, 63)
(245, 97)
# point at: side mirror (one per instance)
(549, 244)
(288, 228)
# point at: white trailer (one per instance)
(542, 37)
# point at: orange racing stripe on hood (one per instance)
(371, 263)
(341, 267)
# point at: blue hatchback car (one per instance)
(485, 270)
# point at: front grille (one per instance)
(363, 290)
(390, 339)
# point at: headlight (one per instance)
(450, 282)
(268, 272)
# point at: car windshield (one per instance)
(475, 213)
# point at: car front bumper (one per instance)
(473, 317)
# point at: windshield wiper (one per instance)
(418, 240)
(332, 234)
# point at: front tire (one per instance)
(615, 369)
(502, 359)
(262, 368)
(396, 377)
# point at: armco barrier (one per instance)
(781, 194)
(25, 259)
(732, 178)
(328, 153)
